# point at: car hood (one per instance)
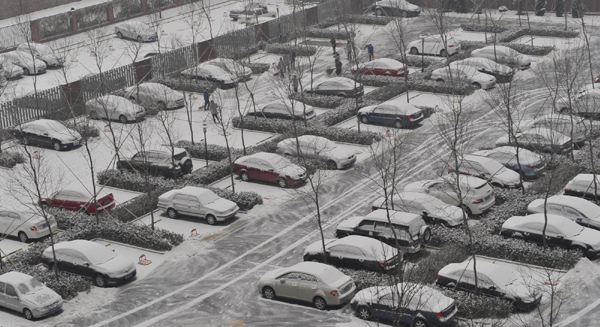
(65, 136)
(588, 236)
(317, 247)
(42, 297)
(293, 171)
(366, 109)
(508, 176)
(524, 60)
(221, 205)
(340, 153)
(118, 264)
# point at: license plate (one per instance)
(488, 197)
(304, 178)
(154, 37)
(76, 143)
(45, 225)
(129, 276)
(54, 309)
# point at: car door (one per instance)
(368, 69)
(487, 287)
(336, 255)
(533, 232)
(138, 162)
(377, 115)
(11, 298)
(466, 282)
(287, 285)
(307, 287)
(366, 228)
(196, 207)
(145, 97)
(577, 216)
(443, 192)
(58, 199)
(42, 136)
(65, 260)
(325, 88)
(385, 307)
(3, 297)
(70, 200)
(357, 259)
(181, 204)
(82, 265)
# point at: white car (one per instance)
(457, 73)
(26, 225)
(232, 67)
(30, 65)
(530, 164)
(394, 7)
(583, 186)
(432, 209)
(487, 66)
(211, 72)
(583, 212)
(90, 260)
(434, 45)
(27, 295)
(155, 95)
(136, 31)
(316, 147)
(48, 133)
(477, 194)
(562, 124)
(490, 170)
(539, 139)
(503, 55)
(41, 52)
(114, 107)
(584, 103)
(391, 113)
(198, 202)
(11, 71)
(252, 14)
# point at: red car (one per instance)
(269, 167)
(81, 201)
(383, 66)
(597, 79)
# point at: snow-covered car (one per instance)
(496, 279)
(233, 67)
(583, 212)
(114, 107)
(311, 282)
(26, 225)
(583, 186)
(564, 125)
(26, 61)
(503, 55)
(391, 113)
(530, 164)
(269, 167)
(489, 170)
(11, 71)
(197, 202)
(434, 45)
(410, 304)
(90, 260)
(47, 133)
(384, 67)
(431, 209)
(477, 194)
(158, 162)
(284, 109)
(409, 229)
(155, 95)
(560, 232)
(539, 139)
(135, 30)
(236, 12)
(253, 14)
(356, 252)
(401, 8)
(26, 294)
(487, 66)
(213, 73)
(585, 103)
(340, 86)
(80, 200)
(317, 147)
(458, 73)
(41, 52)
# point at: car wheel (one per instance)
(244, 176)
(319, 303)
(161, 105)
(139, 39)
(468, 211)
(477, 85)
(132, 99)
(56, 145)
(119, 35)
(379, 12)
(282, 183)
(268, 293)
(83, 211)
(414, 51)
(364, 119)
(26, 140)
(363, 313)
(211, 220)
(444, 53)
(26, 71)
(123, 119)
(93, 115)
(188, 166)
(172, 213)
(419, 323)
(427, 235)
(27, 313)
(399, 123)
(23, 237)
(404, 14)
(564, 110)
(439, 80)
(100, 280)
(331, 165)
(578, 249)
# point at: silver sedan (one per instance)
(155, 95)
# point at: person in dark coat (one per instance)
(333, 43)
(206, 99)
(338, 67)
(214, 111)
(293, 59)
(349, 50)
(295, 83)
(281, 68)
(371, 51)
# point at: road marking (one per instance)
(579, 314)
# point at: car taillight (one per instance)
(439, 314)
(438, 277)
(33, 228)
(477, 201)
(529, 166)
(373, 208)
(450, 45)
(567, 189)
(43, 256)
(410, 117)
(353, 91)
(383, 264)
(335, 293)
(157, 199)
(527, 213)
(190, 156)
(449, 170)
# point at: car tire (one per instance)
(331, 165)
(418, 322)
(579, 249)
(26, 140)
(93, 115)
(427, 236)
(56, 145)
(172, 213)
(468, 211)
(269, 293)
(23, 237)
(404, 14)
(161, 106)
(83, 211)
(477, 85)
(363, 313)
(439, 80)
(26, 71)
(119, 35)
(282, 183)
(414, 51)
(188, 166)
(319, 303)
(123, 119)
(444, 53)
(379, 12)
(28, 314)
(364, 119)
(244, 176)
(211, 220)
(400, 123)
(139, 39)
(100, 280)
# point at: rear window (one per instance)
(483, 184)
(180, 155)
(331, 275)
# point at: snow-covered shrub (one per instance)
(86, 130)
(346, 110)
(325, 33)
(281, 48)
(490, 28)
(320, 101)
(10, 159)
(364, 19)
(476, 306)
(186, 84)
(521, 48)
(244, 200)
(375, 80)
(327, 23)
(562, 173)
(257, 67)
(427, 111)
(215, 152)
(417, 61)
(366, 278)
(386, 92)
(239, 53)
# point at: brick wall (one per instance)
(12, 8)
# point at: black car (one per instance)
(154, 162)
(339, 86)
(399, 115)
(47, 133)
(396, 8)
(286, 109)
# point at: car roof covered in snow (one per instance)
(412, 196)
(14, 277)
(263, 155)
(516, 222)
(340, 80)
(396, 217)
(588, 208)
(194, 191)
(313, 268)
(79, 245)
(585, 178)
(495, 270)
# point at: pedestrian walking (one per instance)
(295, 83)
(338, 67)
(206, 99)
(371, 51)
(333, 43)
(293, 58)
(214, 111)
(286, 61)
(349, 50)
(281, 68)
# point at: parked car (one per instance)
(581, 211)
(340, 86)
(407, 303)
(454, 73)
(236, 12)
(384, 67)
(252, 14)
(197, 202)
(114, 107)
(503, 55)
(434, 45)
(486, 66)
(284, 109)
(530, 164)
(391, 113)
(477, 194)
(41, 52)
(156, 162)
(135, 30)
(312, 282)
(231, 66)
(489, 170)
(410, 229)
(11, 71)
(356, 252)
(317, 147)
(539, 139)
(26, 226)
(23, 293)
(47, 133)
(269, 167)
(564, 125)
(73, 199)
(26, 61)
(496, 279)
(583, 186)
(585, 103)
(90, 260)
(213, 73)
(155, 95)
(431, 209)
(560, 232)
(402, 8)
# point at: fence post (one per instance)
(35, 32)
(72, 97)
(111, 13)
(143, 70)
(145, 6)
(74, 22)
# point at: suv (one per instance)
(409, 228)
(199, 202)
(237, 12)
(159, 162)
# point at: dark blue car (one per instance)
(531, 163)
(397, 114)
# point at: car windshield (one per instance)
(57, 127)
(494, 166)
(281, 163)
(209, 197)
(503, 277)
(331, 275)
(30, 287)
(571, 228)
(100, 257)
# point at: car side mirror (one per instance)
(493, 288)
(45, 134)
(271, 169)
(282, 281)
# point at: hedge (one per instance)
(87, 131)
(521, 48)
(279, 48)
(186, 84)
(257, 68)
(510, 34)
(326, 33)
(490, 28)
(9, 159)
(364, 19)
(320, 101)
